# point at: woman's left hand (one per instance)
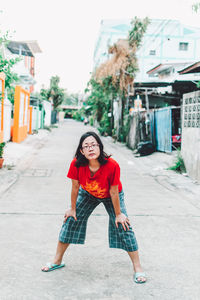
(121, 218)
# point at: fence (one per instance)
(158, 127)
(190, 149)
(163, 129)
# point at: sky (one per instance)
(67, 31)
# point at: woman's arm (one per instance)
(74, 194)
(120, 217)
(114, 193)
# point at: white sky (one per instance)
(67, 30)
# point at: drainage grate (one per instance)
(37, 173)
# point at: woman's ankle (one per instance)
(57, 260)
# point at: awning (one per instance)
(166, 66)
(26, 48)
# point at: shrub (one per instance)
(2, 145)
(179, 165)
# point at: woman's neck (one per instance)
(94, 164)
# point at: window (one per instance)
(183, 46)
(152, 52)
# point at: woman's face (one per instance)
(90, 148)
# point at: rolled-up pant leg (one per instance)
(74, 232)
(118, 237)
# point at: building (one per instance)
(164, 41)
(25, 68)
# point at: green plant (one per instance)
(6, 66)
(91, 120)
(47, 128)
(79, 115)
(125, 129)
(2, 145)
(196, 6)
(114, 78)
(100, 101)
(179, 165)
(54, 93)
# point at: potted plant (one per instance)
(2, 145)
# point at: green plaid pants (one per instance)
(74, 232)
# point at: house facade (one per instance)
(164, 41)
(25, 68)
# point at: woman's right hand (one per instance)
(70, 213)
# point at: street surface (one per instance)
(163, 207)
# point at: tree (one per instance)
(71, 99)
(54, 93)
(6, 66)
(196, 6)
(122, 66)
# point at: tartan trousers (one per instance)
(74, 232)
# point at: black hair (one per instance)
(81, 159)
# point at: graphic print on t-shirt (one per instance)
(94, 189)
(99, 184)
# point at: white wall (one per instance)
(190, 148)
(7, 120)
(47, 108)
(34, 118)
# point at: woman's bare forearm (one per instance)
(74, 193)
(114, 193)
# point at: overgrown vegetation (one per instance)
(113, 79)
(101, 101)
(179, 165)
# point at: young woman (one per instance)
(96, 179)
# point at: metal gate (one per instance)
(163, 129)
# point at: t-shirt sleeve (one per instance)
(115, 176)
(73, 170)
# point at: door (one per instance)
(163, 129)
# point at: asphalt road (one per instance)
(163, 211)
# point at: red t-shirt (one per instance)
(99, 184)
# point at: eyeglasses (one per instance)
(90, 146)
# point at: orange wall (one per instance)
(21, 105)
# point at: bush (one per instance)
(105, 125)
(79, 115)
(2, 145)
(91, 119)
(179, 165)
(125, 130)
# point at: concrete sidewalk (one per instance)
(163, 213)
(17, 156)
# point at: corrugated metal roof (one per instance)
(194, 68)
